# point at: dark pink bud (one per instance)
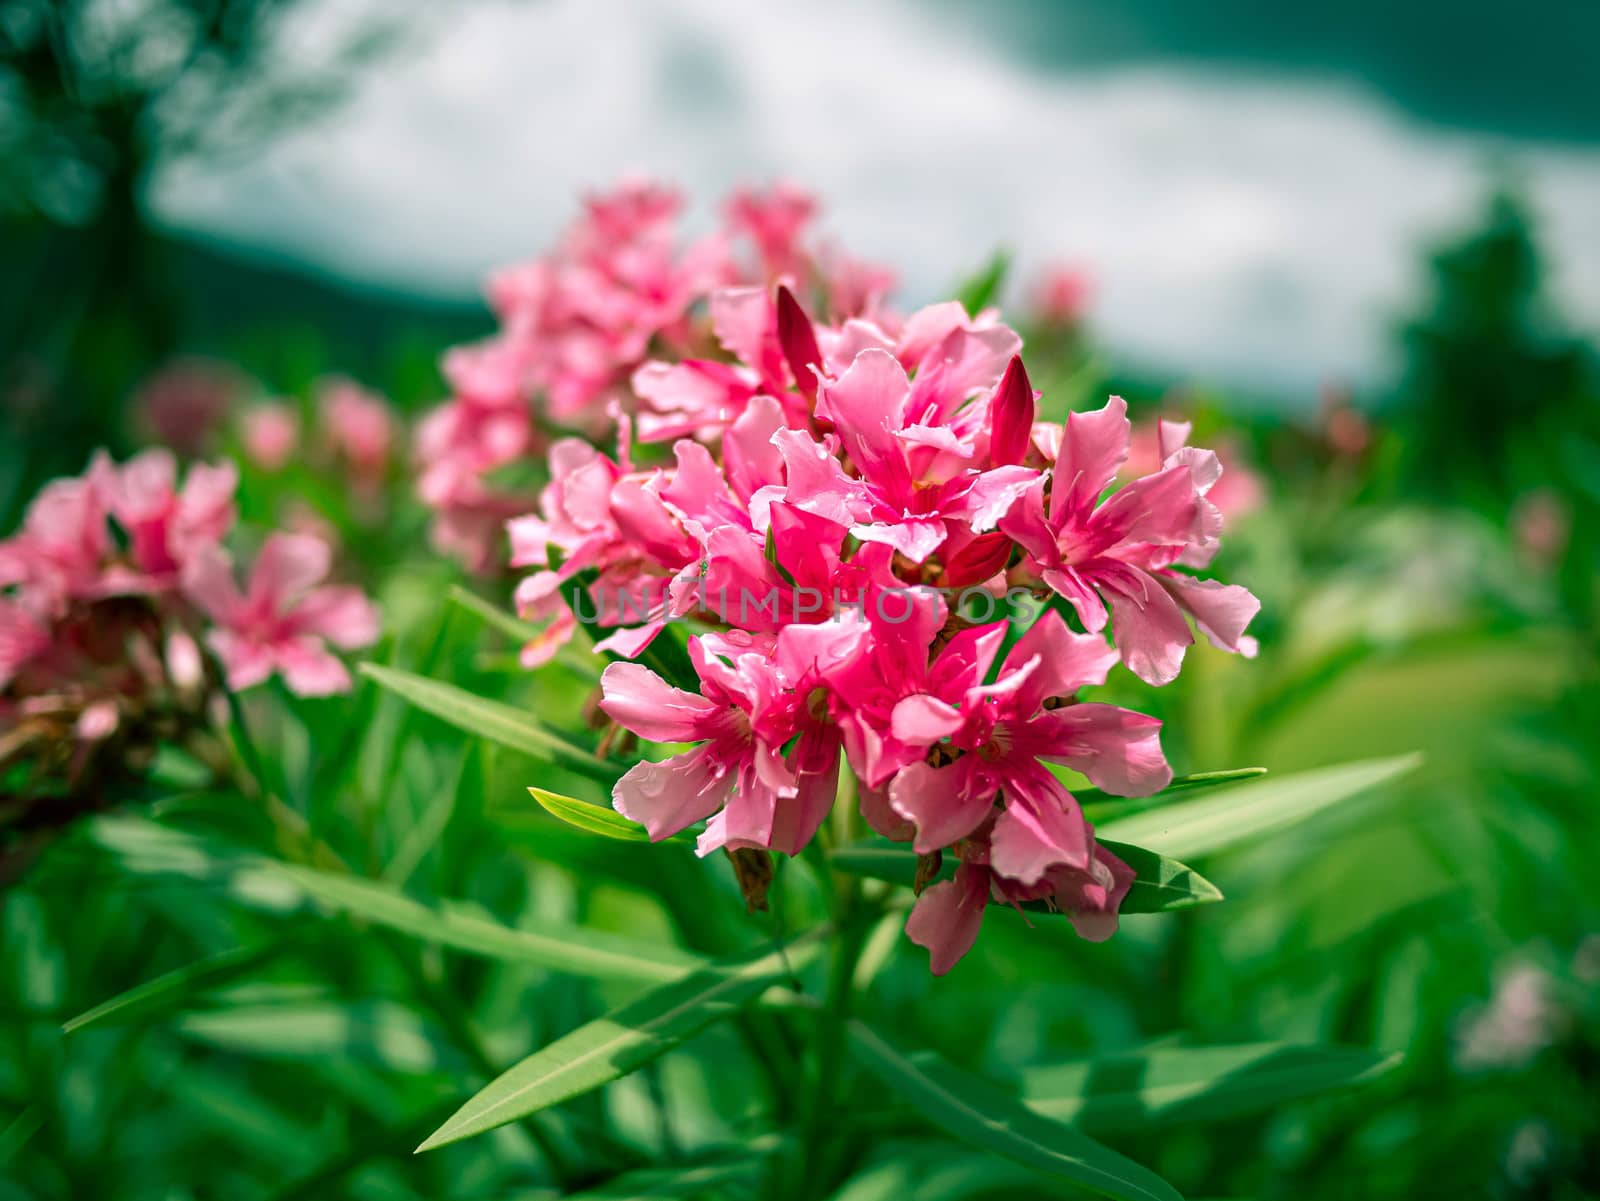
(799, 342)
(978, 560)
(1011, 416)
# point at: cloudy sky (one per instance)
(1249, 225)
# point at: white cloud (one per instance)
(1253, 229)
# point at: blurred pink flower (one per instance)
(774, 219)
(185, 403)
(60, 552)
(360, 427)
(167, 527)
(1541, 527)
(285, 618)
(270, 433)
(1061, 296)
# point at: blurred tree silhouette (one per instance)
(96, 98)
(1489, 376)
(1498, 404)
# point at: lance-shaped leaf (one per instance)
(564, 949)
(168, 992)
(1194, 1084)
(1234, 815)
(977, 1113)
(1160, 884)
(1101, 806)
(622, 1041)
(597, 819)
(492, 720)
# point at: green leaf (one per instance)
(564, 949)
(1234, 815)
(977, 1113)
(597, 819)
(1177, 1084)
(981, 290)
(622, 1041)
(168, 991)
(1102, 806)
(1160, 884)
(490, 719)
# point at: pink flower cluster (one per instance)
(134, 539)
(575, 325)
(845, 506)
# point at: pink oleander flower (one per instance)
(923, 454)
(993, 740)
(360, 428)
(270, 434)
(285, 618)
(168, 527)
(758, 694)
(1122, 553)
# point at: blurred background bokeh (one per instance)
(1359, 247)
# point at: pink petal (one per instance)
(916, 540)
(748, 454)
(924, 720)
(798, 818)
(309, 669)
(246, 663)
(867, 406)
(993, 494)
(947, 917)
(877, 813)
(342, 615)
(288, 566)
(630, 642)
(1094, 447)
(668, 796)
(1119, 750)
(1146, 623)
(209, 584)
(946, 803)
(1068, 661)
(643, 702)
(1221, 611)
(1091, 898)
(1040, 828)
